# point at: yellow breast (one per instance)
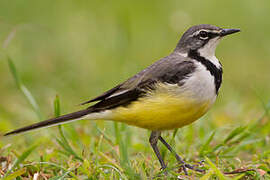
(162, 111)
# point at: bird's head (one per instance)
(202, 38)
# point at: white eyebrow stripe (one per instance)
(207, 30)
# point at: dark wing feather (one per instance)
(115, 101)
(104, 95)
(168, 70)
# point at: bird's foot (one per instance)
(186, 166)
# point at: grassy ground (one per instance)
(57, 54)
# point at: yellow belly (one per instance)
(161, 111)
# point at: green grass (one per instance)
(56, 54)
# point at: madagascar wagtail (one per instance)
(171, 93)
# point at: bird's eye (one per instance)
(203, 35)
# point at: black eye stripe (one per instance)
(212, 34)
(209, 34)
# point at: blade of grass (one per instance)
(55, 165)
(234, 133)
(112, 167)
(14, 72)
(30, 98)
(122, 148)
(84, 168)
(266, 106)
(215, 169)
(56, 103)
(110, 160)
(260, 119)
(63, 141)
(124, 160)
(239, 177)
(21, 158)
(206, 144)
(60, 177)
(240, 138)
(123, 145)
(106, 137)
(207, 175)
(172, 141)
(15, 174)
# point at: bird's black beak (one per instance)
(226, 32)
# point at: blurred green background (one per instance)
(78, 49)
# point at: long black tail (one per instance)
(52, 122)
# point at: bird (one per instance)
(171, 93)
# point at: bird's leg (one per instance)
(153, 141)
(178, 158)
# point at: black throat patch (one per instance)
(214, 71)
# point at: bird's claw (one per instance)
(186, 166)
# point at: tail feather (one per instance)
(52, 122)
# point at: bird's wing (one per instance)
(171, 69)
